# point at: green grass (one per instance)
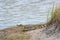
(55, 15)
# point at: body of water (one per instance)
(15, 12)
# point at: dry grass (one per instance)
(55, 16)
(17, 36)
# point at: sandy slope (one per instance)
(51, 33)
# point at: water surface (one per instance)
(15, 12)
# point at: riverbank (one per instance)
(18, 32)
